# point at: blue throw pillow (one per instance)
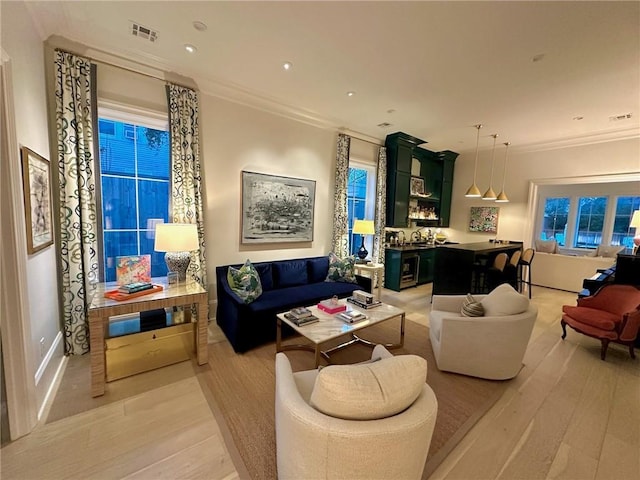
(245, 282)
(318, 268)
(341, 269)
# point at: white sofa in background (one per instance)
(565, 272)
(349, 443)
(490, 346)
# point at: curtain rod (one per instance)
(359, 136)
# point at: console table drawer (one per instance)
(139, 352)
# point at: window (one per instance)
(622, 235)
(591, 212)
(134, 177)
(556, 212)
(360, 202)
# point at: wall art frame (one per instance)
(276, 209)
(484, 219)
(417, 186)
(36, 181)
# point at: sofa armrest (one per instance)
(447, 303)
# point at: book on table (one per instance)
(135, 287)
(301, 321)
(355, 301)
(351, 316)
(331, 306)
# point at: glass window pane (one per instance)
(554, 225)
(117, 244)
(153, 201)
(153, 153)
(118, 203)
(158, 265)
(591, 212)
(622, 233)
(117, 152)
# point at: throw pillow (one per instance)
(504, 300)
(369, 391)
(245, 282)
(546, 246)
(341, 269)
(471, 307)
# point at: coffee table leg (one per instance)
(278, 335)
(317, 354)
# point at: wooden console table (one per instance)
(100, 309)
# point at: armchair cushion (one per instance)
(369, 391)
(504, 300)
(591, 316)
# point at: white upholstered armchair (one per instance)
(491, 346)
(388, 415)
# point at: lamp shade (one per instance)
(364, 227)
(635, 220)
(176, 237)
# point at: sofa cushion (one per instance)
(341, 269)
(266, 275)
(371, 390)
(504, 300)
(284, 299)
(290, 273)
(546, 246)
(317, 269)
(471, 308)
(610, 251)
(245, 282)
(591, 316)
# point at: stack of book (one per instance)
(331, 306)
(351, 316)
(301, 316)
(135, 287)
(373, 304)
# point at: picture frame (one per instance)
(36, 181)
(484, 219)
(417, 186)
(276, 209)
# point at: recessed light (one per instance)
(200, 26)
(350, 94)
(391, 110)
(287, 65)
(578, 117)
(190, 48)
(538, 57)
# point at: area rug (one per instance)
(243, 385)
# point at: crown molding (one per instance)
(579, 141)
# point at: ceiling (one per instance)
(526, 70)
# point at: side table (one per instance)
(375, 272)
(101, 308)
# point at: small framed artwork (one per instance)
(417, 186)
(484, 219)
(36, 180)
(277, 209)
(133, 268)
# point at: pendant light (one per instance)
(474, 191)
(502, 197)
(490, 194)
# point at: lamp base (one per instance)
(178, 262)
(362, 252)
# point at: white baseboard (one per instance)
(49, 373)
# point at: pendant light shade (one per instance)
(490, 194)
(474, 191)
(502, 197)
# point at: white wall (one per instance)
(621, 156)
(24, 47)
(237, 138)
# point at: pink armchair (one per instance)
(612, 314)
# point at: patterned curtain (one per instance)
(340, 241)
(381, 207)
(186, 178)
(77, 179)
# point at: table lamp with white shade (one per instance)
(363, 227)
(178, 240)
(635, 223)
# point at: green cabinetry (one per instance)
(436, 168)
(392, 269)
(426, 266)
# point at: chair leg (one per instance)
(631, 352)
(603, 350)
(564, 329)
(529, 280)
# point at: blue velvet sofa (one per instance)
(285, 284)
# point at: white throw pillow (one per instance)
(546, 246)
(371, 390)
(504, 300)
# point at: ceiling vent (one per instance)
(616, 118)
(141, 31)
(384, 125)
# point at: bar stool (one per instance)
(495, 274)
(525, 261)
(511, 271)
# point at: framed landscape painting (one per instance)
(484, 219)
(36, 179)
(277, 209)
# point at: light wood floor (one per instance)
(567, 415)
